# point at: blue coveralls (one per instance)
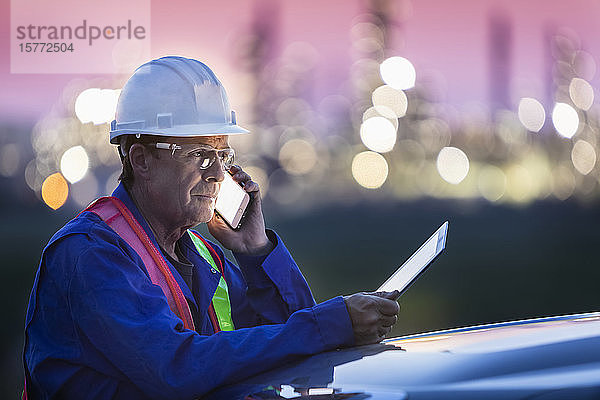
(97, 327)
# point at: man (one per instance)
(129, 303)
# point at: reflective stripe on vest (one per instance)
(116, 215)
(220, 300)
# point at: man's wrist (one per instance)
(261, 249)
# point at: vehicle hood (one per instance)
(547, 358)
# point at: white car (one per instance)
(538, 359)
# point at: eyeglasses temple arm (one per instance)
(168, 146)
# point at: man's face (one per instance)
(185, 194)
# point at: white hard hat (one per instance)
(173, 96)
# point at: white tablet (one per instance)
(417, 263)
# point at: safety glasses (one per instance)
(202, 156)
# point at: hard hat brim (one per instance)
(182, 131)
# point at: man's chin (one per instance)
(203, 214)
(207, 216)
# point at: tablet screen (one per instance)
(410, 270)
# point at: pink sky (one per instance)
(449, 38)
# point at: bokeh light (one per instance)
(293, 111)
(106, 106)
(583, 156)
(364, 74)
(409, 156)
(85, 190)
(74, 164)
(300, 56)
(452, 165)
(391, 98)
(367, 29)
(434, 134)
(565, 120)
(97, 106)
(584, 65)
(111, 182)
(563, 183)
(283, 188)
(10, 158)
(84, 105)
(520, 187)
(581, 93)
(55, 191)
(531, 114)
(381, 111)
(294, 155)
(378, 134)
(369, 169)
(33, 179)
(539, 166)
(491, 183)
(398, 73)
(297, 157)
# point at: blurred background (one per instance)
(373, 121)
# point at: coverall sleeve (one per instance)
(270, 287)
(122, 315)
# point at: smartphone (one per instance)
(418, 262)
(232, 201)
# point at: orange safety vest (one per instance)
(118, 217)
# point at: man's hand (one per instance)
(251, 237)
(372, 315)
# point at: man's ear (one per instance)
(140, 159)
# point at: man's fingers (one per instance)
(242, 177)
(395, 295)
(388, 307)
(217, 222)
(251, 186)
(372, 316)
(382, 331)
(234, 169)
(388, 321)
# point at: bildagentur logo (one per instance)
(43, 34)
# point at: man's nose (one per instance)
(216, 172)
